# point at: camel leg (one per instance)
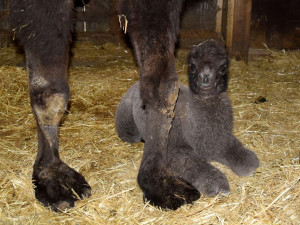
(153, 27)
(43, 28)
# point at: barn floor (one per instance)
(88, 143)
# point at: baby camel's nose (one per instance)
(206, 74)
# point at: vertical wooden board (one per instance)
(229, 28)
(3, 5)
(93, 17)
(114, 25)
(199, 14)
(241, 29)
(219, 16)
(5, 34)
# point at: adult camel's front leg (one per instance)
(43, 28)
(54, 180)
(153, 28)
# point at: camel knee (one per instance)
(49, 108)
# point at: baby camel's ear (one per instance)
(192, 57)
(224, 61)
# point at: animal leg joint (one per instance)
(49, 110)
(52, 109)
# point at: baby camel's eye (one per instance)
(192, 68)
(222, 69)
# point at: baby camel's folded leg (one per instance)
(125, 124)
(240, 160)
(202, 175)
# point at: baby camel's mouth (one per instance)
(206, 86)
(206, 83)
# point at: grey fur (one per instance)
(202, 127)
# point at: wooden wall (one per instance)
(4, 26)
(276, 23)
(93, 16)
(241, 23)
(96, 20)
(238, 28)
(199, 14)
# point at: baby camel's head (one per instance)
(208, 69)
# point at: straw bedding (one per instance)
(88, 143)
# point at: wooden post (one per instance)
(114, 25)
(229, 29)
(238, 28)
(5, 31)
(219, 16)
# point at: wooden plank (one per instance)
(229, 27)
(241, 29)
(5, 34)
(238, 28)
(219, 16)
(114, 25)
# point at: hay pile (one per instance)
(89, 144)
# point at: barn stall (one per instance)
(265, 93)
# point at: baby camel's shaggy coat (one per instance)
(202, 127)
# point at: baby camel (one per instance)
(202, 126)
